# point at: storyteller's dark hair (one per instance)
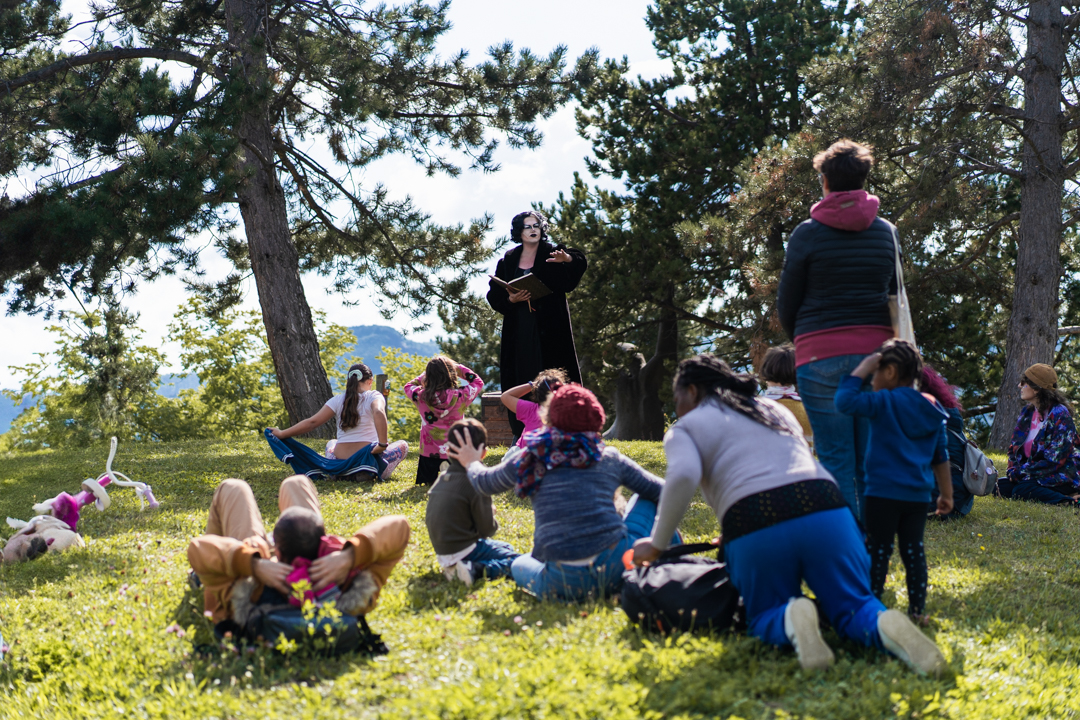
(779, 365)
(517, 225)
(476, 430)
(440, 374)
(350, 409)
(845, 165)
(547, 382)
(715, 379)
(932, 382)
(298, 533)
(1046, 399)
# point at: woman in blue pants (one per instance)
(783, 518)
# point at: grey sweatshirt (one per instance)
(730, 457)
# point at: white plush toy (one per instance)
(54, 527)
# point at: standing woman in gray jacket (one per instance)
(782, 516)
(833, 302)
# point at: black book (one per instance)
(536, 287)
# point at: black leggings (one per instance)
(886, 519)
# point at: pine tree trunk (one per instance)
(639, 413)
(1032, 331)
(275, 263)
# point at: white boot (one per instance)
(801, 628)
(902, 638)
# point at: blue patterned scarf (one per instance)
(550, 448)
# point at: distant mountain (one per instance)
(370, 340)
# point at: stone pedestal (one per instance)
(497, 424)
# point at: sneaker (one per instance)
(903, 639)
(464, 572)
(801, 627)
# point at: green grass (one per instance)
(89, 628)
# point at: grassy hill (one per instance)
(93, 632)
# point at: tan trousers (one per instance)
(234, 512)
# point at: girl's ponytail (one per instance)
(350, 409)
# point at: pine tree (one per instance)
(141, 159)
(676, 142)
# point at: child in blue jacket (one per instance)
(907, 453)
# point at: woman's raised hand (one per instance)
(465, 453)
(560, 256)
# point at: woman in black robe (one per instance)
(536, 334)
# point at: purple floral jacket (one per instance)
(1055, 457)
(449, 407)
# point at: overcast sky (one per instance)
(616, 27)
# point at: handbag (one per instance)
(899, 308)
(980, 475)
(679, 591)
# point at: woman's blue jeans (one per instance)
(840, 440)
(601, 578)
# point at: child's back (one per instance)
(457, 515)
(907, 437)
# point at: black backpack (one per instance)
(679, 591)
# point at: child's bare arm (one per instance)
(943, 474)
(510, 397)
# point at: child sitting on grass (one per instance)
(528, 412)
(441, 403)
(778, 373)
(461, 521)
(906, 453)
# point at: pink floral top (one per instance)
(449, 407)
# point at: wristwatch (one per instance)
(383, 444)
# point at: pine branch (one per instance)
(114, 55)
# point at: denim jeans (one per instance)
(492, 558)
(1034, 492)
(826, 550)
(839, 440)
(600, 578)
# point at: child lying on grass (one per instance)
(461, 521)
(239, 572)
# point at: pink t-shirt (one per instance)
(528, 413)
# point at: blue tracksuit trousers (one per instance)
(826, 550)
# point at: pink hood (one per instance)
(848, 210)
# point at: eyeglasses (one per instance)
(531, 227)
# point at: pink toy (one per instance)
(66, 508)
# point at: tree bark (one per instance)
(639, 413)
(275, 264)
(1032, 331)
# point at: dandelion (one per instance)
(981, 547)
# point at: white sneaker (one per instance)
(464, 572)
(903, 639)
(801, 627)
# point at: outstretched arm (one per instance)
(510, 397)
(305, 426)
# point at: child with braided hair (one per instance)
(907, 454)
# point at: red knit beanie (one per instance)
(574, 409)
